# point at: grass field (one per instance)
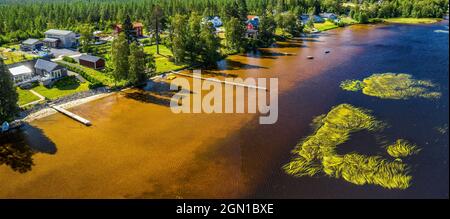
(412, 20)
(11, 57)
(25, 96)
(163, 63)
(327, 25)
(64, 87)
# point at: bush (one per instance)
(94, 82)
(69, 59)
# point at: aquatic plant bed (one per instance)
(316, 154)
(393, 86)
(411, 20)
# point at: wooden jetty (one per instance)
(220, 81)
(72, 115)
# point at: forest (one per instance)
(20, 19)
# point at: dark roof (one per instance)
(45, 65)
(89, 58)
(51, 40)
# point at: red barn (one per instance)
(138, 28)
(92, 61)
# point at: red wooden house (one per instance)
(138, 28)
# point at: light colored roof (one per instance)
(30, 41)
(58, 32)
(89, 58)
(51, 40)
(20, 70)
(45, 65)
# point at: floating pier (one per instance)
(220, 81)
(72, 115)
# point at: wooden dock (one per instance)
(72, 115)
(220, 81)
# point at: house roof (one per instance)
(45, 65)
(58, 32)
(89, 58)
(20, 70)
(30, 41)
(135, 25)
(51, 40)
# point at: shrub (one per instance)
(69, 59)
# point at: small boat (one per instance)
(171, 77)
(310, 57)
(5, 126)
(10, 126)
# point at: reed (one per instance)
(393, 86)
(317, 153)
(402, 148)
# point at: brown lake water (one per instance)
(137, 148)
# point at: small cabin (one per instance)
(94, 62)
(31, 45)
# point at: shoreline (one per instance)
(49, 111)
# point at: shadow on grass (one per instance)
(67, 83)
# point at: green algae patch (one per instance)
(393, 86)
(352, 85)
(402, 148)
(316, 154)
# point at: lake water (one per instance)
(137, 148)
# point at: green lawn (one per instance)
(163, 63)
(327, 25)
(348, 20)
(25, 96)
(11, 57)
(412, 20)
(64, 87)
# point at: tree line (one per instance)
(36, 16)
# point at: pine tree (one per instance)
(179, 37)
(119, 57)
(267, 29)
(193, 39)
(157, 22)
(127, 28)
(242, 10)
(8, 95)
(136, 59)
(211, 44)
(86, 37)
(235, 35)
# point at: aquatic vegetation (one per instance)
(352, 85)
(442, 129)
(402, 148)
(393, 86)
(317, 152)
